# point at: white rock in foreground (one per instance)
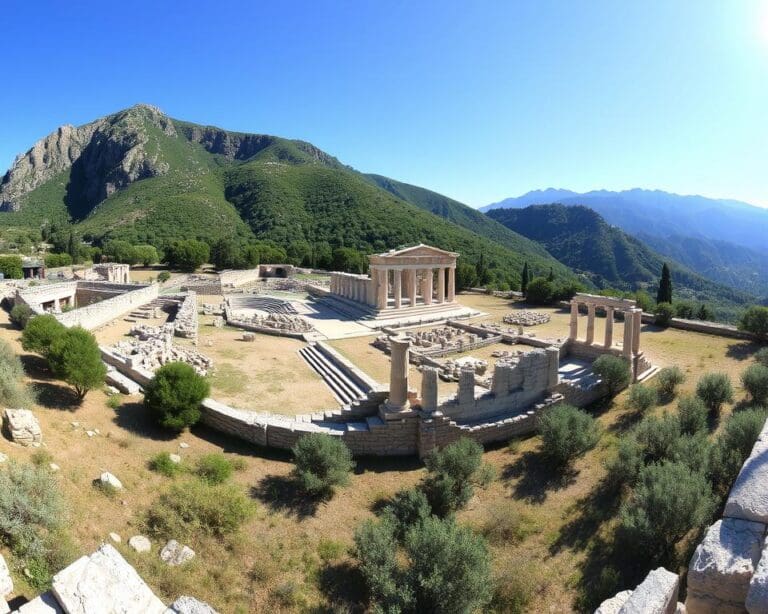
(108, 479)
(657, 594)
(6, 583)
(748, 498)
(189, 605)
(104, 582)
(43, 604)
(23, 427)
(757, 597)
(614, 604)
(140, 543)
(174, 553)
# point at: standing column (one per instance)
(590, 323)
(429, 389)
(381, 288)
(398, 375)
(428, 286)
(441, 285)
(574, 335)
(412, 286)
(637, 323)
(398, 287)
(451, 284)
(628, 321)
(608, 327)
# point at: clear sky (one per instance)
(477, 100)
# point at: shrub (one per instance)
(755, 321)
(20, 315)
(667, 381)
(625, 466)
(406, 509)
(513, 591)
(187, 255)
(174, 395)
(567, 433)
(114, 401)
(454, 471)
(642, 398)
(540, 291)
(214, 469)
(11, 267)
(192, 507)
(389, 585)
(668, 500)
(755, 382)
(322, 463)
(13, 392)
(163, 276)
(733, 446)
(663, 314)
(41, 458)
(761, 356)
(685, 310)
(75, 357)
(613, 371)
(693, 451)
(40, 333)
(714, 389)
(692, 414)
(330, 550)
(53, 261)
(162, 464)
(657, 437)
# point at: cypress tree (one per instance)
(525, 278)
(72, 247)
(551, 276)
(665, 286)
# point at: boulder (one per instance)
(722, 566)
(748, 499)
(757, 597)
(614, 604)
(174, 553)
(115, 538)
(107, 479)
(22, 427)
(43, 604)
(657, 594)
(6, 583)
(189, 605)
(3, 458)
(174, 458)
(140, 543)
(104, 582)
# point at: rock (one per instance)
(140, 543)
(121, 383)
(115, 538)
(111, 390)
(90, 433)
(748, 498)
(107, 478)
(6, 583)
(189, 605)
(722, 566)
(614, 604)
(757, 596)
(75, 425)
(174, 458)
(4, 608)
(22, 427)
(54, 467)
(104, 582)
(174, 553)
(3, 458)
(184, 445)
(657, 594)
(44, 604)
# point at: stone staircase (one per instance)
(343, 388)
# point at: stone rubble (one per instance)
(189, 605)
(277, 322)
(107, 479)
(526, 318)
(140, 543)
(6, 583)
(175, 554)
(22, 427)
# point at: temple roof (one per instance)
(418, 250)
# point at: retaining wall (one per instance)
(98, 314)
(233, 278)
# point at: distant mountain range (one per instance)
(723, 240)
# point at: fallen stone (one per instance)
(122, 383)
(115, 538)
(189, 605)
(748, 498)
(657, 594)
(22, 427)
(90, 433)
(54, 467)
(43, 604)
(757, 596)
(174, 553)
(4, 607)
(107, 478)
(3, 458)
(184, 445)
(174, 458)
(722, 566)
(140, 543)
(614, 604)
(104, 582)
(6, 583)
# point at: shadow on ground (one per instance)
(137, 419)
(56, 396)
(537, 477)
(344, 588)
(742, 351)
(282, 494)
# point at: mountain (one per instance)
(580, 238)
(142, 176)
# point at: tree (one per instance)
(483, 275)
(21, 314)
(692, 414)
(73, 247)
(53, 261)
(226, 254)
(642, 398)
(667, 381)
(715, 389)
(322, 462)
(664, 294)
(704, 313)
(187, 255)
(755, 382)
(121, 251)
(406, 509)
(146, 254)
(539, 291)
(614, 371)
(74, 356)
(40, 333)
(685, 310)
(10, 267)
(174, 395)
(755, 320)
(348, 259)
(525, 279)
(761, 356)
(567, 433)
(663, 314)
(466, 276)
(644, 300)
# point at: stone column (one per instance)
(628, 336)
(466, 385)
(429, 389)
(380, 290)
(441, 284)
(398, 374)
(574, 335)
(398, 287)
(553, 367)
(590, 323)
(451, 284)
(428, 286)
(637, 323)
(608, 327)
(411, 288)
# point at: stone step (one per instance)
(344, 390)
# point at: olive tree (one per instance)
(613, 371)
(322, 463)
(174, 395)
(715, 389)
(567, 433)
(74, 357)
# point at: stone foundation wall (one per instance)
(234, 278)
(35, 296)
(98, 314)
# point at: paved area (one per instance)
(578, 372)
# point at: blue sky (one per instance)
(477, 100)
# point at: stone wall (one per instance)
(98, 314)
(233, 278)
(35, 296)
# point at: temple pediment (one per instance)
(419, 250)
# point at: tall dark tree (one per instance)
(72, 246)
(481, 266)
(551, 276)
(525, 278)
(665, 286)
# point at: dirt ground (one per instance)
(274, 563)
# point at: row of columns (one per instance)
(632, 325)
(405, 286)
(353, 287)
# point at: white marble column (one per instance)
(428, 286)
(590, 324)
(440, 285)
(398, 376)
(381, 288)
(411, 287)
(628, 336)
(636, 326)
(451, 284)
(608, 327)
(398, 287)
(574, 334)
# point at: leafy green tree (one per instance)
(40, 333)
(525, 278)
(754, 379)
(322, 463)
(551, 276)
(174, 395)
(614, 371)
(715, 389)
(567, 433)
(663, 314)
(539, 291)
(227, 254)
(73, 247)
(685, 310)
(644, 301)
(664, 294)
(187, 255)
(667, 381)
(53, 261)
(120, 251)
(483, 274)
(761, 356)
(21, 314)
(704, 313)
(10, 267)
(145, 254)
(389, 584)
(755, 320)
(348, 259)
(466, 276)
(692, 414)
(74, 357)
(406, 509)
(642, 398)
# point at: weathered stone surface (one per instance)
(140, 543)
(108, 479)
(44, 604)
(614, 604)
(4, 607)
(757, 597)
(22, 427)
(189, 605)
(115, 538)
(748, 498)
(104, 582)
(3, 458)
(121, 382)
(657, 594)
(174, 458)
(6, 583)
(723, 564)
(174, 553)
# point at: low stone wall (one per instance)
(701, 326)
(35, 296)
(657, 594)
(98, 314)
(185, 320)
(233, 278)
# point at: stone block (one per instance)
(22, 427)
(44, 604)
(614, 604)
(107, 479)
(757, 596)
(121, 382)
(140, 543)
(104, 582)
(6, 583)
(748, 498)
(189, 605)
(657, 594)
(174, 553)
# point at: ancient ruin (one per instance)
(526, 318)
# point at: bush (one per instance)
(613, 371)
(668, 500)
(454, 471)
(174, 395)
(567, 433)
(642, 398)
(625, 466)
(657, 437)
(40, 333)
(191, 507)
(322, 463)
(540, 291)
(715, 389)
(53, 261)
(506, 525)
(20, 315)
(693, 451)
(513, 591)
(755, 321)
(74, 356)
(11, 267)
(163, 276)
(187, 255)
(692, 414)
(761, 356)
(13, 392)
(162, 464)
(41, 458)
(755, 382)
(734, 445)
(663, 314)
(214, 469)
(406, 509)
(667, 381)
